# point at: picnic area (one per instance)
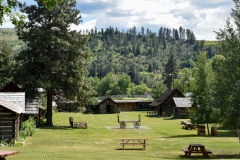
(165, 139)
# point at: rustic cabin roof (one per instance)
(10, 87)
(132, 101)
(105, 100)
(11, 106)
(183, 102)
(164, 96)
(17, 98)
(32, 106)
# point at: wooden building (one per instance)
(182, 106)
(10, 119)
(163, 105)
(133, 105)
(107, 106)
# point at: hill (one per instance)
(137, 54)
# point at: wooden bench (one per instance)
(80, 125)
(133, 142)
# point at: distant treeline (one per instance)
(132, 52)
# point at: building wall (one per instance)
(127, 106)
(9, 124)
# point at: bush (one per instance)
(28, 127)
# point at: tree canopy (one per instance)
(55, 58)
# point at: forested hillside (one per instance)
(133, 52)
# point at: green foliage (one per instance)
(202, 91)
(28, 127)
(56, 56)
(6, 64)
(158, 89)
(138, 89)
(227, 72)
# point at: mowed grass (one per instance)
(166, 138)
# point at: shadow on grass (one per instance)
(219, 156)
(60, 128)
(125, 149)
(220, 134)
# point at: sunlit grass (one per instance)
(166, 138)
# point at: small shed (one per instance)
(182, 106)
(34, 109)
(9, 119)
(163, 104)
(107, 106)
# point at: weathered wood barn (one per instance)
(182, 106)
(107, 106)
(11, 108)
(163, 105)
(32, 105)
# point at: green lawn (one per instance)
(166, 138)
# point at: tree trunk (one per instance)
(208, 129)
(49, 108)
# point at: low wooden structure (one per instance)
(10, 120)
(4, 154)
(80, 125)
(196, 148)
(182, 106)
(107, 106)
(136, 124)
(133, 142)
(163, 105)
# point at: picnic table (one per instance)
(4, 154)
(188, 125)
(196, 148)
(133, 142)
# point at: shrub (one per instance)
(28, 126)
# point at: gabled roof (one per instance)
(165, 96)
(11, 106)
(107, 98)
(183, 102)
(132, 101)
(10, 87)
(17, 98)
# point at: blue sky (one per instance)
(203, 17)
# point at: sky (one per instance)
(203, 17)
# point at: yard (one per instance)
(100, 140)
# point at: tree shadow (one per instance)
(60, 128)
(128, 149)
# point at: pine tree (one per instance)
(55, 58)
(170, 71)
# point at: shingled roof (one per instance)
(183, 102)
(17, 98)
(11, 106)
(164, 97)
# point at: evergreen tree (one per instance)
(170, 71)
(6, 64)
(227, 79)
(54, 58)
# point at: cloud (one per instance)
(202, 17)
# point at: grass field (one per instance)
(100, 141)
